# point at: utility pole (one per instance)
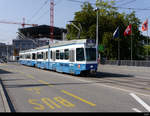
(97, 27)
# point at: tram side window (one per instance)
(46, 55)
(71, 55)
(80, 54)
(61, 55)
(20, 57)
(33, 56)
(66, 54)
(40, 55)
(28, 56)
(57, 54)
(51, 54)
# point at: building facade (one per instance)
(6, 51)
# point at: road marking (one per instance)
(64, 102)
(44, 82)
(140, 101)
(36, 90)
(38, 106)
(76, 97)
(47, 101)
(3, 65)
(104, 85)
(136, 110)
(30, 76)
(121, 89)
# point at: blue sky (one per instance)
(15, 10)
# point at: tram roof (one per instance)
(61, 43)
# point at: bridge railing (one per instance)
(127, 62)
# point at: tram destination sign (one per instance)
(90, 42)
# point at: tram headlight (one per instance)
(78, 65)
(91, 66)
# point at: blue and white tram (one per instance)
(75, 57)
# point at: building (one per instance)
(32, 37)
(42, 31)
(6, 51)
(3, 52)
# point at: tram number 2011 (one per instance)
(39, 104)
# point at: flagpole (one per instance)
(118, 51)
(147, 44)
(131, 43)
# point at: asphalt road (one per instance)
(111, 90)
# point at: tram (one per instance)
(73, 57)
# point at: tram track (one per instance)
(129, 82)
(116, 79)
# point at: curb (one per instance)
(5, 101)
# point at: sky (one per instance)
(38, 12)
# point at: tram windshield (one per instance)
(80, 54)
(90, 54)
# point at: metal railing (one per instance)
(127, 62)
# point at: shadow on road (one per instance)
(25, 85)
(115, 75)
(4, 72)
(108, 75)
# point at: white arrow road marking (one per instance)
(140, 101)
(135, 109)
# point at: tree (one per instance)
(86, 17)
(109, 20)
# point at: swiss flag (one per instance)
(145, 25)
(128, 30)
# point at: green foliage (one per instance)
(147, 49)
(109, 20)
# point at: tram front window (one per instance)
(80, 54)
(90, 54)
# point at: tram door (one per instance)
(71, 59)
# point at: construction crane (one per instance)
(52, 20)
(19, 23)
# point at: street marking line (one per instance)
(30, 76)
(64, 102)
(140, 101)
(104, 85)
(47, 101)
(44, 82)
(121, 89)
(35, 90)
(136, 110)
(76, 97)
(38, 105)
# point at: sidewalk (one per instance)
(127, 68)
(4, 107)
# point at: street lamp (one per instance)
(78, 28)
